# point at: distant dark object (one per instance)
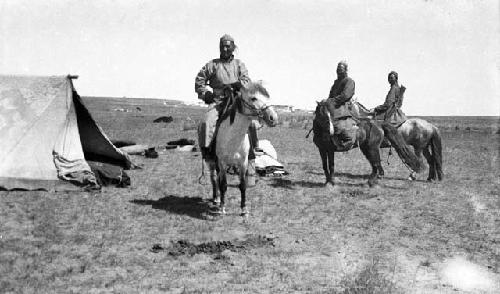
(165, 119)
(122, 143)
(457, 128)
(138, 109)
(467, 129)
(151, 153)
(156, 248)
(170, 146)
(497, 132)
(181, 142)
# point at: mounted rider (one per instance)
(391, 111)
(340, 107)
(211, 85)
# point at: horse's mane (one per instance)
(256, 87)
(233, 101)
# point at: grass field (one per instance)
(157, 236)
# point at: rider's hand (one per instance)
(209, 97)
(236, 86)
(232, 87)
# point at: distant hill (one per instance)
(133, 101)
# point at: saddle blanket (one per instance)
(266, 160)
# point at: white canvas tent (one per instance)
(47, 134)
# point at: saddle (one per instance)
(365, 114)
(227, 108)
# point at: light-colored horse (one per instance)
(425, 139)
(232, 142)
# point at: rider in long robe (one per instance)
(210, 83)
(339, 105)
(391, 111)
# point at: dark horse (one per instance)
(369, 137)
(425, 139)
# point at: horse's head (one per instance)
(322, 117)
(255, 99)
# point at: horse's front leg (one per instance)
(213, 179)
(222, 181)
(331, 167)
(413, 174)
(372, 153)
(243, 187)
(324, 162)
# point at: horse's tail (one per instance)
(436, 153)
(404, 151)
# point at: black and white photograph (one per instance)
(264, 146)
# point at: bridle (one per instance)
(255, 112)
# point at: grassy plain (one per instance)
(398, 238)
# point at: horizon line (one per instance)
(297, 108)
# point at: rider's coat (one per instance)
(342, 92)
(219, 72)
(391, 111)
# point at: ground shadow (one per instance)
(315, 173)
(337, 174)
(291, 184)
(365, 176)
(195, 207)
(403, 179)
(351, 176)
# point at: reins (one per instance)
(257, 111)
(308, 133)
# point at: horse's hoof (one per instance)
(244, 212)
(332, 188)
(329, 183)
(216, 200)
(218, 211)
(412, 177)
(372, 184)
(430, 180)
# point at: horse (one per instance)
(369, 138)
(425, 139)
(232, 143)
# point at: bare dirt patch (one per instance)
(184, 247)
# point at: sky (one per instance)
(446, 52)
